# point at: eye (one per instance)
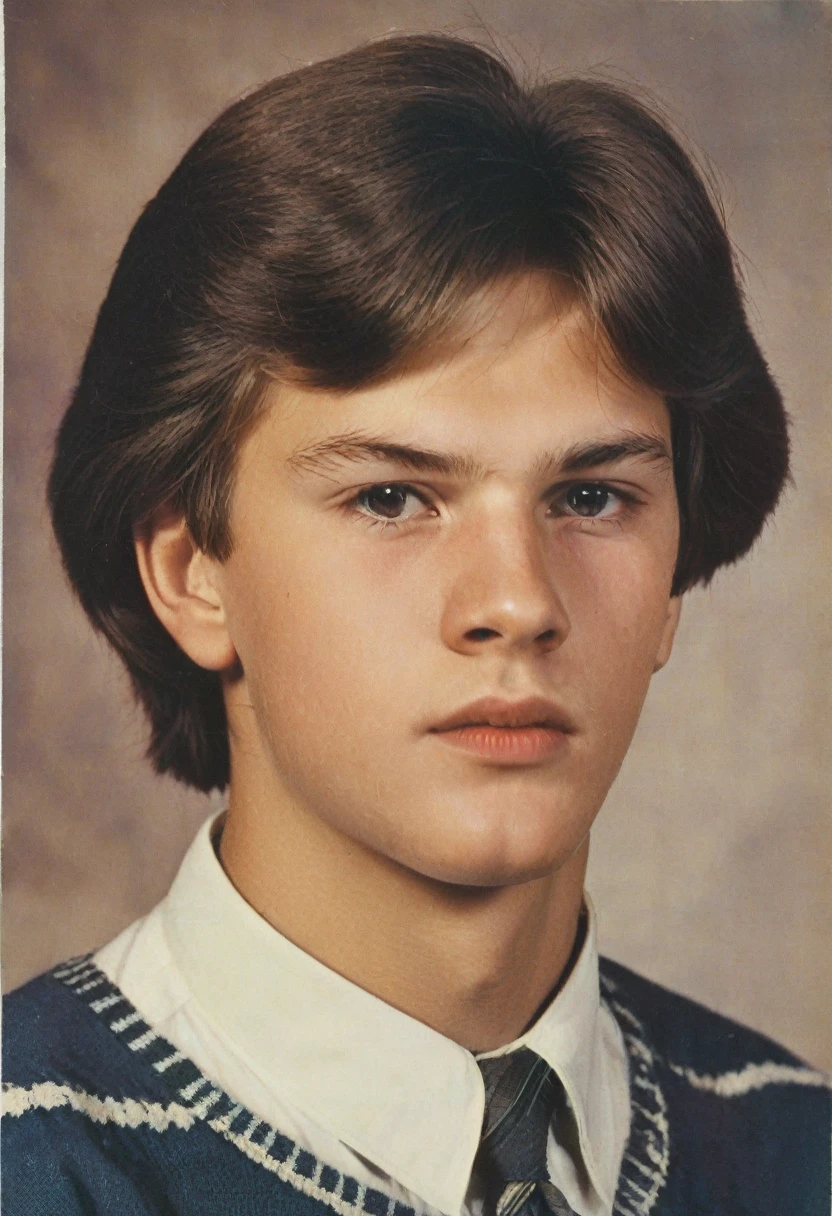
(387, 503)
(592, 500)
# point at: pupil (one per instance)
(386, 500)
(587, 500)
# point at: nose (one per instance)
(503, 591)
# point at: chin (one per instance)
(497, 858)
(490, 876)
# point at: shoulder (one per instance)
(48, 1032)
(55, 1065)
(697, 1038)
(74, 1108)
(738, 1113)
(101, 1114)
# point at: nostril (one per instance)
(482, 635)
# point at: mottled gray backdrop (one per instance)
(711, 860)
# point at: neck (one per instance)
(475, 964)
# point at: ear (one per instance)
(674, 610)
(179, 580)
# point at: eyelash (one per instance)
(629, 501)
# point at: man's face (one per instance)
(369, 595)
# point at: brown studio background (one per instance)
(711, 859)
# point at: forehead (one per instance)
(522, 369)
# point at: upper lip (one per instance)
(492, 711)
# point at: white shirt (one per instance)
(367, 1089)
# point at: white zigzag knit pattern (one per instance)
(127, 1112)
(46, 1095)
(752, 1077)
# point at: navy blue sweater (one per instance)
(102, 1116)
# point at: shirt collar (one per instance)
(355, 1065)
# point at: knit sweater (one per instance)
(101, 1115)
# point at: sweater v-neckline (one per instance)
(194, 1096)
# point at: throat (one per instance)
(497, 976)
(477, 965)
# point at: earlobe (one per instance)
(179, 583)
(674, 609)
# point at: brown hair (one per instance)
(327, 227)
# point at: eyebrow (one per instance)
(356, 447)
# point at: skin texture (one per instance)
(444, 883)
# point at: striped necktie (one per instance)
(521, 1091)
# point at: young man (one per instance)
(417, 401)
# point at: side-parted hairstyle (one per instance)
(326, 229)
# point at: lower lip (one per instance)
(510, 744)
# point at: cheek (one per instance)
(311, 638)
(618, 616)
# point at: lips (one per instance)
(492, 711)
